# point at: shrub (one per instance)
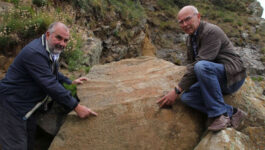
(25, 23)
(39, 3)
(73, 55)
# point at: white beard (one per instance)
(55, 49)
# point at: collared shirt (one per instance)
(53, 56)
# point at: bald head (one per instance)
(189, 19)
(190, 8)
(55, 25)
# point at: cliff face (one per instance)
(121, 29)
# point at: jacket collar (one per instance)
(45, 45)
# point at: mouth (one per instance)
(59, 47)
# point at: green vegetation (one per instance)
(73, 55)
(257, 78)
(15, 2)
(21, 25)
(30, 24)
(131, 12)
(72, 88)
(39, 3)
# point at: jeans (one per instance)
(206, 95)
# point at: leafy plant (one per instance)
(71, 87)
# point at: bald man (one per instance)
(29, 81)
(214, 69)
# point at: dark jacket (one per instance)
(30, 78)
(213, 45)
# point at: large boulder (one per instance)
(124, 94)
(225, 139)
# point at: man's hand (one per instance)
(83, 111)
(168, 99)
(80, 80)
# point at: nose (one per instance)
(63, 43)
(184, 23)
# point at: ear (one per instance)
(47, 34)
(199, 16)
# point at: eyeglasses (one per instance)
(187, 19)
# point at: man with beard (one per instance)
(214, 69)
(32, 77)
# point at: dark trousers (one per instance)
(16, 133)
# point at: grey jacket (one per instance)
(213, 45)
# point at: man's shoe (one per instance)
(219, 123)
(237, 118)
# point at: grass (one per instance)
(129, 11)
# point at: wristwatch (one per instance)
(177, 91)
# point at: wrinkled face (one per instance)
(188, 20)
(58, 39)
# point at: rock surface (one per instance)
(251, 59)
(225, 139)
(124, 94)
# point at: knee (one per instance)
(201, 66)
(184, 98)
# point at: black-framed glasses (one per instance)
(187, 19)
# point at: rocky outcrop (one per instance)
(251, 59)
(92, 48)
(148, 49)
(255, 9)
(124, 94)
